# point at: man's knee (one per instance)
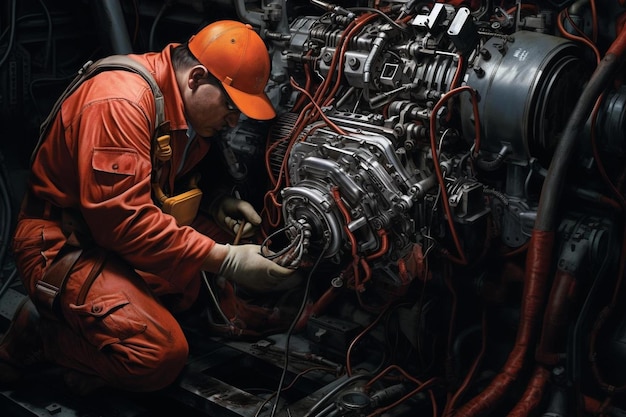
(168, 366)
(156, 370)
(135, 372)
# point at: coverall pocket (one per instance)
(35, 243)
(109, 319)
(113, 170)
(29, 250)
(39, 234)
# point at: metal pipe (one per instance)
(111, 19)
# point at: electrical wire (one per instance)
(594, 21)
(358, 26)
(380, 13)
(435, 155)
(420, 387)
(155, 23)
(317, 107)
(292, 326)
(292, 254)
(136, 29)
(308, 116)
(291, 384)
(5, 227)
(358, 337)
(49, 37)
(448, 410)
(6, 220)
(582, 38)
(12, 30)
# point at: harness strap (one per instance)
(48, 288)
(98, 264)
(90, 69)
(53, 281)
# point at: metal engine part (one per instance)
(446, 177)
(420, 137)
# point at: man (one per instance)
(89, 216)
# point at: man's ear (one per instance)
(196, 74)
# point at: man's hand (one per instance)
(231, 214)
(245, 266)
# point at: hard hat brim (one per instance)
(254, 106)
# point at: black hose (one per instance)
(110, 18)
(6, 221)
(155, 22)
(13, 29)
(5, 211)
(555, 180)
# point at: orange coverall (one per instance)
(96, 158)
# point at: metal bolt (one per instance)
(354, 63)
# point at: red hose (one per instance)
(537, 266)
(618, 46)
(542, 241)
(553, 333)
(556, 319)
(532, 396)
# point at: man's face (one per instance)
(207, 106)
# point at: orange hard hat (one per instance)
(237, 56)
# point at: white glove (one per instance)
(231, 213)
(245, 266)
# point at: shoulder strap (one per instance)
(90, 69)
